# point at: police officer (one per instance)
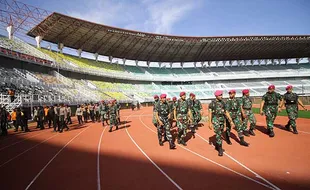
(291, 101)
(270, 106)
(113, 115)
(233, 107)
(162, 112)
(217, 113)
(183, 116)
(246, 106)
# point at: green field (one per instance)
(301, 113)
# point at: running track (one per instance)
(89, 157)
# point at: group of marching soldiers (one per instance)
(235, 112)
(185, 112)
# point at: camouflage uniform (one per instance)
(291, 104)
(271, 108)
(234, 108)
(163, 110)
(218, 110)
(104, 109)
(112, 116)
(182, 108)
(118, 105)
(154, 116)
(246, 104)
(197, 107)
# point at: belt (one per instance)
(247, 108)
(272, 104)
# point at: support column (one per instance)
(136, 61)
(79, 51)
(124, 61)
(297, 61)
(252, 62)
(10, 30)
(38, 40)
(286, 60)
(148, 63)
(182, 64)
(96, 56)
(60, 47)
(171, 65)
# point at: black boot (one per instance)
(220, 150)
(110, 129)
(165, 138)
(183, 142)
(116, 127)
(242, 142)
(251, 131)
(172, 145)
(271, 133)
(228, 139)
(161, 143)
(246, 133)
(295, 130)
(287, 126)
(193, 128)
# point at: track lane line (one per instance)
(98, 161)
(166, 175)
(218, 164)
(36, 177)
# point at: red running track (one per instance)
(89, 157)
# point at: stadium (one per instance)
(131, 67)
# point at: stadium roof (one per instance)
(134, 45)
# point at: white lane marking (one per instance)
(36, 177)
(249, 178)
(166, 175)
(98, 161)
(27, 150)
(235, 160)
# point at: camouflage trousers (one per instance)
(292, 112)
(238, 124)
(218, 126)
(113, 120)
(182, 123)
(271, 114)
(164, 128)
(196, 118)
(250, 118)
(154, 120)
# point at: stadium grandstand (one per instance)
(133, 66)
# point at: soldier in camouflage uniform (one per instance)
(291, 103)
(118, 105)
(233, 106)
(113, 115)
(246, 106)
(196, 111)
(217, 113)
(156, 101)
(269, 107)
(183, 116)
(104, 110)
(163, 112)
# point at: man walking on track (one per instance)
(197, 112)
(234, 108)
(113, 115)
(162, 113)
(291, 103)
(217, 113)
(269, 107)
(104, 109)
(183, 115)
(246, 107)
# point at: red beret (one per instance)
(156, 96)
(245, 91)
(182, 94)
(271, 87)
(218, 93)
(289, 87)
(163, 96)
(191, 94)
(232, 91)
(174, 98)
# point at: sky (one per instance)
(191, 17)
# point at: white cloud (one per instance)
(158, 16)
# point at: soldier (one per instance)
(246, 107)
(69, 114)
(62, 118)
(156, 101)
(269, 107)
(79, 113)
(233, 107)
(217, 113)
(163, 112)
(291, 103)
(113, 115)
(197, 112)
(183, 116)
(118, 110)
(104, 110)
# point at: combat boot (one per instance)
(110, 129)
(161, 143)
(251, 131)
(183, 142)
(271, 133)
(246, 133)
(165, 138)
(172, 145)
(116, 127)
(287, 127)
(295, 130)
(242, 142)
(228, 139)
(220, 150)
